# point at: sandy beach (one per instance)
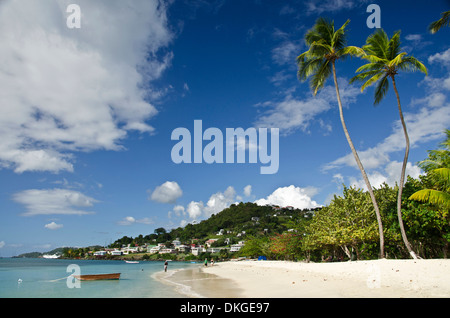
(280, 279)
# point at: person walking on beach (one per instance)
(206, 262)
(165, 265)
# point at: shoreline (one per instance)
(195, 283)
(283, 279)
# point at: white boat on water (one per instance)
(132, 262)
(50, 256)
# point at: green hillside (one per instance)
(247, 217)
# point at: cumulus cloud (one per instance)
(297, 197)
(427, 124)
(247, 190)
(54, 201)
(195, 210)
(66, 90)
(53, 226)
(390, 175)
(168, 192)
(292, 113)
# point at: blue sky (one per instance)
(87, 113)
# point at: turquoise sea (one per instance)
(48, 278)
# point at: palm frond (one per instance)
(319, 78)
(381, 89)
(371, 67)
(308, 67)
(339, 38)
(393, 46)
(351, 50)
(432, 196)
(396, 60)
(377, 44)
(411, 64)
(443, 21)
(372, 80)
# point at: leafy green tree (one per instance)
(286, 246)
(385, 61)
(428, 223)
(347, 223)
(255, 246)
(326, 46)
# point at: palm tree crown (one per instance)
(385, 60)
(326, 45)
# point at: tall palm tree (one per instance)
(443, 21)
(326, 46)
(385, 60)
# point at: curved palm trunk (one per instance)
(402, 176)
(358, 161)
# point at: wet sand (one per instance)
(196, 283)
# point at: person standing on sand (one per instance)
(206, 262)
(165, 265)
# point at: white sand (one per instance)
(377, 278)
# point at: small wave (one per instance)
(179, 287)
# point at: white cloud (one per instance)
(320, 6)
(427, 124)
(168, 192)
(286, 52)
(195, 209)
(293, 113)
(217, 202)
(2, 244)
(54, 201)
(247, 190)
(390, 175)
(220, 201)
(66, 90)
(290, 196)
(442, 58)
(413, 37)
(53, 226)
(129, 220)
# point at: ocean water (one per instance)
(48, 278)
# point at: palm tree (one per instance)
(326, 46)
(385, 60)
(443, 21)
(438, 172)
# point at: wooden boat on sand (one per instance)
(98, 276)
